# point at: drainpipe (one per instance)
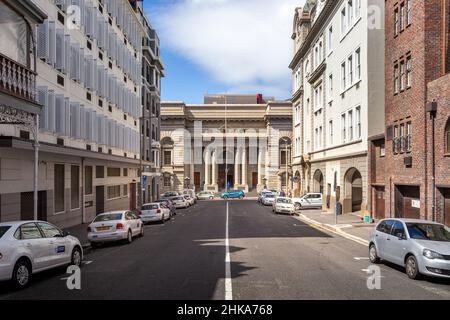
(432, 110)
(83, 191)
(36, 168)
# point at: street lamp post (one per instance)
(287, 166)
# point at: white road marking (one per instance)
(361, 258)
(87, 262)
(228, 284)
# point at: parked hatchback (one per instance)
(309, 200)
(233, 194)
(283, 205)
(205, 195)
(29, 247)
(115, 226)
(152, 212)
(421, 246)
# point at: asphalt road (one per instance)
(271, 257)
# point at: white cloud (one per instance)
(244, 44)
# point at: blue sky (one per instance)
(216, 46)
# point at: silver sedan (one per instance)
(421, 246)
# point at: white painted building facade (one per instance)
(338, 97)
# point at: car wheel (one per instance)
(21, 274)
(412, 268)
(297, 206)
(211, 198)
(373, 255)
(129, 237)
(241, 197)
(76, 258)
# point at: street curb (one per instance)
(333, 229)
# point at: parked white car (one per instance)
(29, 247)
(157, 211)
(267, 199)
(309, 200)
(169, 194)
(180, 202)
(115, 226)
(189, 199)
(190, 193)
(283, 205)
(422, 247)
(205, 195)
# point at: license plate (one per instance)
(103, 228)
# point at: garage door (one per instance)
(446, 193)
(407, 202)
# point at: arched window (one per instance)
(167, 145)
(447, 137)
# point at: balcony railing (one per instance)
(17, 79)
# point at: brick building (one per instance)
(416, 67)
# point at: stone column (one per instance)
(260, 170)
(214, 171)
(207, 162)
(236, 168)
(244, 169)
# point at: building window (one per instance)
(330, 39)
(396, 78)
(358, 123)
(343, 21)
(358, 63)
(330, 87)
(167, 182)
(350, 125)
(331, 132)
(357, 9)
(74, 187)
(402, 75)
(408, 72)
(125, 172)
(88, 180)
(409, 11)
(350, 13)
(113, 172)
(397, 21)
(447, 138)
(113, 192)
(408, 137)
(125, 190)
(396, 144)
(402, 16)
(350, 70)
(99, 172)
(59, 187)
(343, 77)
(167, 157)
(283, 157)
(402, 138)
(343, 129)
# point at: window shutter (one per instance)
(51, 43)
(75, 120)
(67, 117)
(51, 111)
(83, 122)
(67, 51)
(42, 41)
(60, 62)
(43, 100)
(60, 125)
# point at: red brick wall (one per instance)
(439, 91)
(423, 39)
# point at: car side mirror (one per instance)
(401, 236)
(65, 233)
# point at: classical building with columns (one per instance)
(239, 141)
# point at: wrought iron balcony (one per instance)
(17, 80)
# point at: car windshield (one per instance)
(108, 217)
(3, 230)
(269, 195)
(425, 231)
(284, 200)
(150, 207)
(178, 198)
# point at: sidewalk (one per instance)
(349, 226)
(80, 232)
